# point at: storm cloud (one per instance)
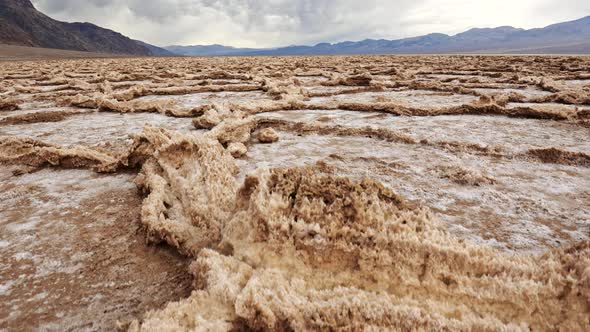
(270, 23)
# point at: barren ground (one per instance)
(304, 193)
(14, 52)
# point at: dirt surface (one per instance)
(14, 52)
(304, 193)
(73, 256)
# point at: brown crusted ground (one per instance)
(48, 116)
(6, 105)
(303, 249)
(549, 155)
(55, 291)
(290, 248)
(29, 152)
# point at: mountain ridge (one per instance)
(208, 50)
(22, 24)
(565, 37)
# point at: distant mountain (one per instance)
(22, 24)
(209, 50)
(155, 50)
(569, 37)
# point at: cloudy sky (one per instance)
(271, 23)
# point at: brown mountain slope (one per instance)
(22, 24)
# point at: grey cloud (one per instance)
(72, 6)
(265, 23)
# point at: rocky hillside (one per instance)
(22, 24)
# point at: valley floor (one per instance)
(14, 52)
(295, 193)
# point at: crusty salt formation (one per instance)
(184, 169)
(303, 249)
(26, 151)
(268, 135)
(237, 149)
(47, 116)
(7, 105)
(399, 193)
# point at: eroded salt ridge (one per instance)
(304, 249)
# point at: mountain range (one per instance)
(210, 50)
(22, 24)
(563, 38)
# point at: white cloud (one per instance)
(268, 23)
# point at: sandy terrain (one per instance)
(14, 52)
(303, 193)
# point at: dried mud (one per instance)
(308, 193)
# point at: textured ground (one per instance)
(13, 52)
(305, 193)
